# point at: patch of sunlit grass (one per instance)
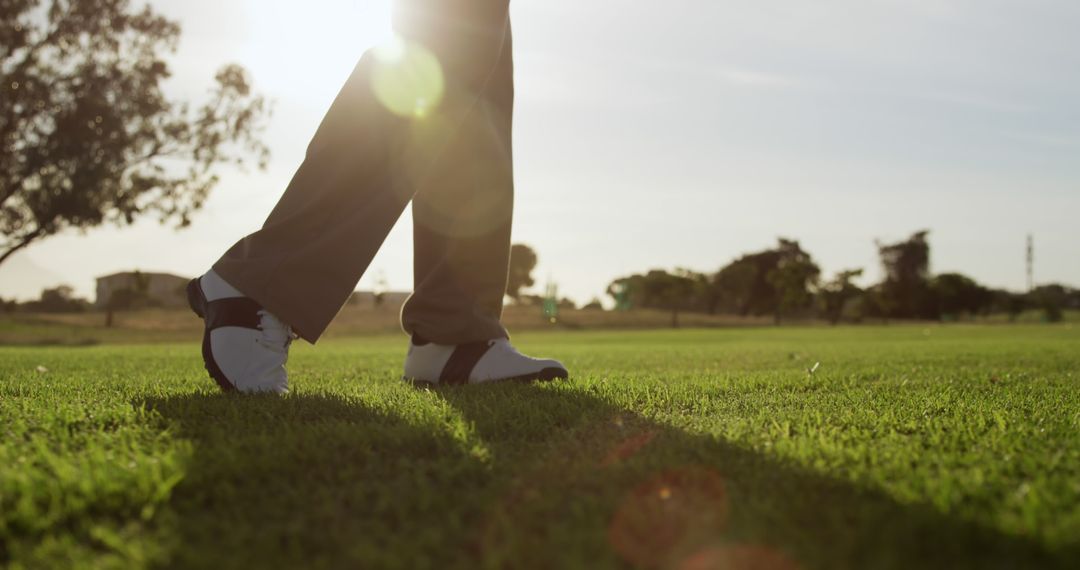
(671, 449)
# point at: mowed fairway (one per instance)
(908, 447)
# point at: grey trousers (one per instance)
(431, 123)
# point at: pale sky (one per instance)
(687, 132)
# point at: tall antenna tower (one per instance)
(1030, 263)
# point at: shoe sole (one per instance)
(197, 302)
(545, 375)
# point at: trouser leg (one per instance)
(364, 164)
(461, 224)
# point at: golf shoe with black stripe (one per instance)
(244, 347)
(476, 363)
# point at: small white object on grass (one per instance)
(42, 369)
(813, 369)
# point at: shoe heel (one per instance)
(196, 299)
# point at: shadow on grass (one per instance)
(526, 476)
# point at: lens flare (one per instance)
(663, 519)
(407, 79)
(628, 447)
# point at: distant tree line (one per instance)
(785, 282)
(523, 260)
(60, 299)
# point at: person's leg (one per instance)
(462, 216)
(362, 167)
(395, 113)
(461, 224)
(306, 259)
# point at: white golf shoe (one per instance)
(244, 347)
(476, 363)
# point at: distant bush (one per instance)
(593, 305)
(57, 300)
(1052, 300)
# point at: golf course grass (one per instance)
(907, 446)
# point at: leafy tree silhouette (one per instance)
(905, 291)
(523, 261)
(86, 131)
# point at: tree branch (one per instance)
(20, 68)
(25, 241)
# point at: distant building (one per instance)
(162, 289)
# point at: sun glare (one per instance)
(408, 78)
(306, 50)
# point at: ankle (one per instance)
(215, 287)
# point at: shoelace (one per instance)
(275, 334)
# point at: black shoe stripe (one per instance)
(462, 361)
(195, 298)
(197, 301)
(233, 312)
(212, 366)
